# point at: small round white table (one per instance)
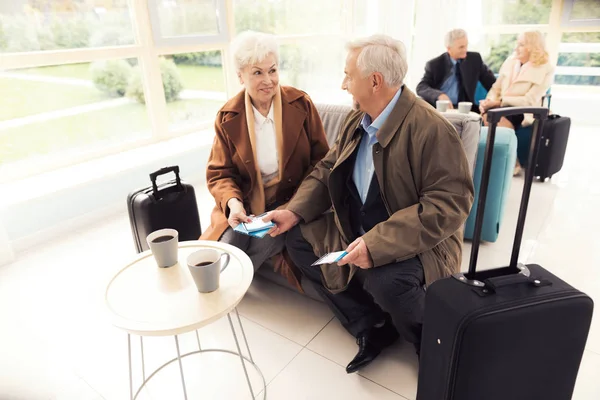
(145, 300)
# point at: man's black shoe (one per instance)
(370, 343)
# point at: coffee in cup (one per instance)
(164, 246)
(161, 239)
(206, 266)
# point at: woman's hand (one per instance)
(237, 213)
(485, 105)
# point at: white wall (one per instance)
(6, 252)
(28, 221)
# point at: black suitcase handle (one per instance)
(497, 283)
(164, 171)
(493, 116)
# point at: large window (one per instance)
(581, 12)
(290, 17)
(51, 113)
(508, 12)
(194, 87)
(311, 35)
(177, 22)
(496, 48)
(34, 25)
(86, 78)
(315, 66)
(579, 59)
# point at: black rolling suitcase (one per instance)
(553, 146)
(512, 333)
(169, 205)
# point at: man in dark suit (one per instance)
(454, 75)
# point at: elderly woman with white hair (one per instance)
(268, 138)
(523, 80)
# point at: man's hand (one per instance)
(237, 213)
(444, 96)
(284, 220)
(358, 254)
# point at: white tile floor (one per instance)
(57, 343)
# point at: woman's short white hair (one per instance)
(252, 47)
(453, 35)
(383, 54)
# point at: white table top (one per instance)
(150, 301)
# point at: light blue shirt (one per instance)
(363, 166)
(450, 86)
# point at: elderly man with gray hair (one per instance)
(386, 206)
(454, 75)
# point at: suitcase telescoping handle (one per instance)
(540, 114)
(164, 171)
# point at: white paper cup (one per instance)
(464, 107)
(442, 105)
(206, 266)
(164, 246)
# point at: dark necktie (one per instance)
(458, 79)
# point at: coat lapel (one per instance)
(392, 124)
(236, 129)
(293, 120)
(349, 149)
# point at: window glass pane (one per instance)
(289, 17)
(516, 12)
(495, 49)
(34, 25)
(194, 86)
(50, 114)
(585, 9)
(315, 66)
(187, 17)
(581, 37)
(579, 59)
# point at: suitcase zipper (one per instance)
(549, 298)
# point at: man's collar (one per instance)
(400, 111)
(367, 122)
(452, 60)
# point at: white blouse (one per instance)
(266, 145)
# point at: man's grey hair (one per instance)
(383, 54)
(253, 47)
(453, 35)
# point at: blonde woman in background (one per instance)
(523, 80)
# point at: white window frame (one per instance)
(566, 17)
(553, 30)
(148, 48)
(192, 39)
(147, 54)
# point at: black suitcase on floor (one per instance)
(512, 333)
(553, 146)
(169, 205)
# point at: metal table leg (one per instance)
(243, 359)
(130, 371)
(180, 367)
(240, 353)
